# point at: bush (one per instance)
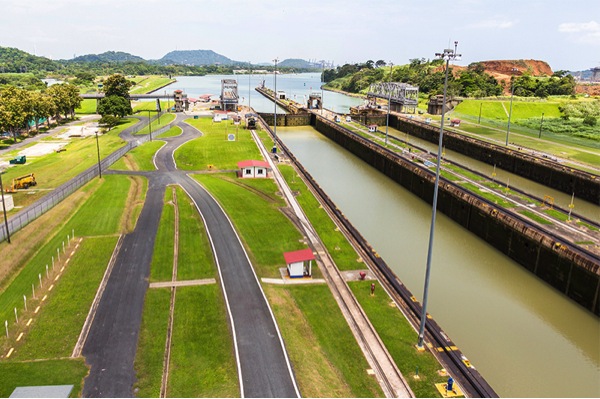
(590, 120)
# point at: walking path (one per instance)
(388, 374)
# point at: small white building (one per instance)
(281, 95)
(372, 128)
(253, 169)
(8, 202)
(299, 263)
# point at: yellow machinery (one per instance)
(22, 182)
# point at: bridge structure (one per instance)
(229, 95)
(402, 96)
(179, 98)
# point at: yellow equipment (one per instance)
(23, 182)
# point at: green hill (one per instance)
(195, 57)
(18, 61)
(108, 56)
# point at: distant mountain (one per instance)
(195, 57)
(295, 63)
(109, 56)
(18, 61)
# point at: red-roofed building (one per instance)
(299, 263)
(253, 168)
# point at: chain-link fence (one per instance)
(46, 203)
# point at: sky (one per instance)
(566, 33)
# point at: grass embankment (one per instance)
(213, 150)
(148, 84)
(54, 169)
(157, 123)
(140, 158)
(53, 331)
(202, 362)
(172, 132)
(393, 328)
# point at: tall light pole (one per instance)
(149, 124)
(249, 87)
(4, 208)
(275, 113)
(98, 149)
(323, 84)
(512, 93)
(448, 55)
(387, 120)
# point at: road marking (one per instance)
(72, 253)
(51, 286)
(44, 298)
(62, 269)
(66, 262)
(19, 337)
(10, 352)
(57, 277)
(36, 310)
(29, 322)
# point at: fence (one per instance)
(46, 203)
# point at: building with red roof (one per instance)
(253, 169)
(299, 263)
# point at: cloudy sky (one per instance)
(564, 33)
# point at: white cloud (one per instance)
(582, 32)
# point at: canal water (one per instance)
(525, 338)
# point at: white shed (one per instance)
(299, 263)
(253, 169)
(8, 202)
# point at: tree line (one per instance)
(428, 75)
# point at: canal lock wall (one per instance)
(523, 163)
(563, 266)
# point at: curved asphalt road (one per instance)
(111, 344)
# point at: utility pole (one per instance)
(275, 113)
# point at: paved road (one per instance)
(110, 348)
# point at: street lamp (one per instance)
(4, 208)
(98, 149)
(387, 121)
(149, 124)
(512, 92)
(275, 114)
(448, 55)
(249, 86)
(323, 81)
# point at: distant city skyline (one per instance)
(566, 35)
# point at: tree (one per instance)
(65, 97)
(117, 85)
(109, 121)
(114, 105)
(380, 63)
(12, 110)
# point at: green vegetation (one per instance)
(162, 259)
(140, 158)
(400, 339)
(342, 252)
(255, 220)
(43, 372)
(195, 254)
(202, 357)
(172, 132)
(213, 148)
(534, 216)
(56, 330)
(148, 84)
(151, 343)
(164, 120)
(335, 339)
(87, 107)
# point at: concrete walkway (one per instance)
(182, 283)
(386, 371)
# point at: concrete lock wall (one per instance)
(287, 119)
(585, 185)
(561, 265)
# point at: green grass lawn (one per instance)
(400, 339)
(55, 331)
(165, 119)
(262, 227)
(202, 358)
(335, 338)
(141, 157)
(213, 148)
(45, 372)
(195, 253)
(151, 343)
(342, 252)
(148, 84)
(87, 107)
(172, 132)
(54, 169)
(161, 268)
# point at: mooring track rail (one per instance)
(450, 357)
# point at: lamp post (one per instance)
(149, 124)
(275, 113)
(448, 55)
(249, 86)
(387, 120)
(512, 92)
(4, 208)
(98, 150)
(323, 84)
(541, 123)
